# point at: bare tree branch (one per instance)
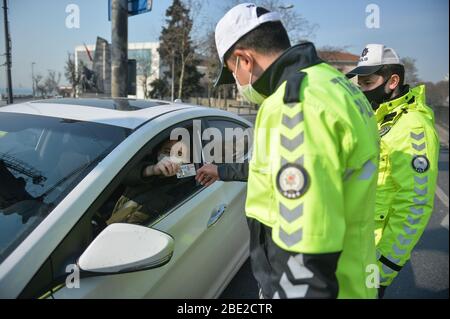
(297, 26)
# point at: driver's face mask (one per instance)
(177, 154)
(247, 91)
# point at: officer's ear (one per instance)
(394, 81)
(246, 59)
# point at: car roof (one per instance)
(128, 113)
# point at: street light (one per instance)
(32, 78)
(8, 52)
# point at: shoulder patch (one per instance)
(292, 92)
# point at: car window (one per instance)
(233, 144)
(41, 160)
(144, 200)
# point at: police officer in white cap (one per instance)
(408, 160)
(380, 74)
(308, 237)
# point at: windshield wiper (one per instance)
(23, 168)
(12, 189)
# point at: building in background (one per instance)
(148, 65)
(343, 61)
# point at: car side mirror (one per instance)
(122, 248)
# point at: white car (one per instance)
(64, 164)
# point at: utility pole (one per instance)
(32, 78)
(8, 53)
(119, 48)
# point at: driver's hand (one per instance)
(166, 167)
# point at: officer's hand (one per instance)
(166, 167)
(207, 174)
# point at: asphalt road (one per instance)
(425, 276)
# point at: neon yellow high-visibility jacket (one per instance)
(407, 178)
(312, 176)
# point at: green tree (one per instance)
(176, 51)
(160, 89)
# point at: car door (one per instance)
(211, 243)
(211, 228)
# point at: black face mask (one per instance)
(378, 95)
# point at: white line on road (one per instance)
(444, 222)
(442, 196)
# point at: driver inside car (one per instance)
(141, 202)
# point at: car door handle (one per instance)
(217, 214)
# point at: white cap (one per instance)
(236, 23)
(372, 59)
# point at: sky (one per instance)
(414, 28)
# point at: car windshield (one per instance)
(41, 160)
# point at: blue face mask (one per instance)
(247, 91)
